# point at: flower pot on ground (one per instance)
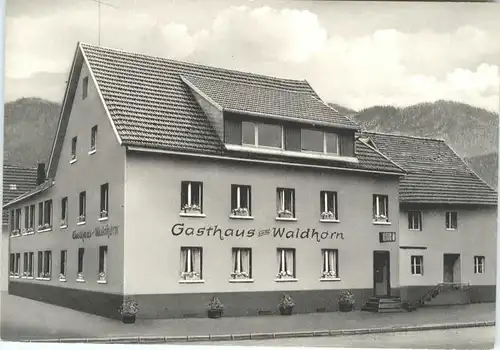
(286, 305)
(128, 311)
(346, 302)
(215, 308)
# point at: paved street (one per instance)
(468, 338)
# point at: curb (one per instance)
(265, 336)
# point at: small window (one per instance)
(241, 200)
(103, 263)
(191, 263)
(269, 135)
(82, 207)
(248, 133)
(329, 263)
(31, 226)
(81, 253)
(241, 263)
(104, 201)
(328, 205)
(479, 264)
(192, 197)
(285, 203)
(44, 264)
(85, 87)
(28, 265)
(286, 264)
(415, 220)
(451, 220)
(380, 208)
(93, 138)
(64, 212)
(74, 142)
(417, 265)
(63, 265)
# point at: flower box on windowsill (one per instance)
(15, 275)
(62, 278)
(240, 277)
(240, 213)
(328, 216)
(285, 276)
(375, 222)
(80, 220)
(381, 220)
(103, 215)
(15, 232)
(80, 277)
(92, 150)
(101, 278)
(30, 230)
(191, 211)
(285, 214)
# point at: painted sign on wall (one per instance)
(106, 230)
(276, 232)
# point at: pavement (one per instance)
(24, 319)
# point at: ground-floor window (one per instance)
(417, 265)
(285, 202)
(103, 263)
(191, 263)
(286, 263)
(15, 260)
(241, 263)
(62, 266)
(330, 263)
(28, 264)
(44, 264)
(80, 276)
(479, 264)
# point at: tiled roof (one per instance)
(436, 174)
(37, 189)
(258, 100)
(16, 181)
(153, 108)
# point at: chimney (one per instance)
(40, 174)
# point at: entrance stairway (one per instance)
(383, 304)
(447, 293)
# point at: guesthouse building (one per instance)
(171, 183)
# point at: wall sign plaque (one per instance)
(275, 232)
(106, 230)
(385, 237)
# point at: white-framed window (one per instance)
(31, 221)
(93, 138)
(286, 263)
(74, 142)
(16, 222)
(15, 262)
(28, 268)
(80, 273)
(82, 207)
(415, 220)
(241, 262)
(285, 202)
(330, 263)
(241, 200)
(479, 264)
(45, 215)
(380, 208)
(63, 265)
(104, 213)
(191, 197)
(191, 263)
(417, 265)
(451, 220)
(103, 264)
(64, 212)
(319, 141)
(12, 264)
(44, 264)
(328, 205)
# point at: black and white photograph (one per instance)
(250, 173)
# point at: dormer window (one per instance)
(319, 141)
(261, 134)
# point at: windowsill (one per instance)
(92, 151)
(81, 223)
(237, 217)
(43, 278)
(329, 279)
(103, 219)
(191, 281)
(285, 219)
(451, 229)
(16, 235)
(192, 215)
(73, 161)
(248, 280)
(281, 152)
(102, 282)
(27, 233)
(63, 226)
(45, 230)
(285, 280)
(79, 280)
(417, 274)
(414, 229)
(381, 222)
(15, 277)
(329, 220)
(62, 279)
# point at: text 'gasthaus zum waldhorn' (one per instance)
(276, 232)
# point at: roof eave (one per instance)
(29, 194)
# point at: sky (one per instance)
(356, 54)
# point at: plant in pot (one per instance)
(346, 301)
(286, 305)
(129, 310)
(215, 308)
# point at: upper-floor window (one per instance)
(82, 207)
(45, 215)
(319, 141)
(415, 220)
(285, 202)
(241, 201)
(192, 197)
(417, 265)
(451, 220)
(64, 212)
(328, 205)
(93, 138)
(479, 263)
(74, 142)
(85, 87)
(103, 264)
(16, 221)
(380, 208)
(261, 134)
(29, 219)
(104, 201)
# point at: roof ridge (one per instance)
(404, 135)
(138, 54)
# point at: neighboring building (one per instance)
(16, 181)
(448, 221)
(172, 182)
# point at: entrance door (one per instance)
(381, 274)
(451, 268)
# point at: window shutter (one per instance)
(347, 145)
(232, 132)
(292, 139)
